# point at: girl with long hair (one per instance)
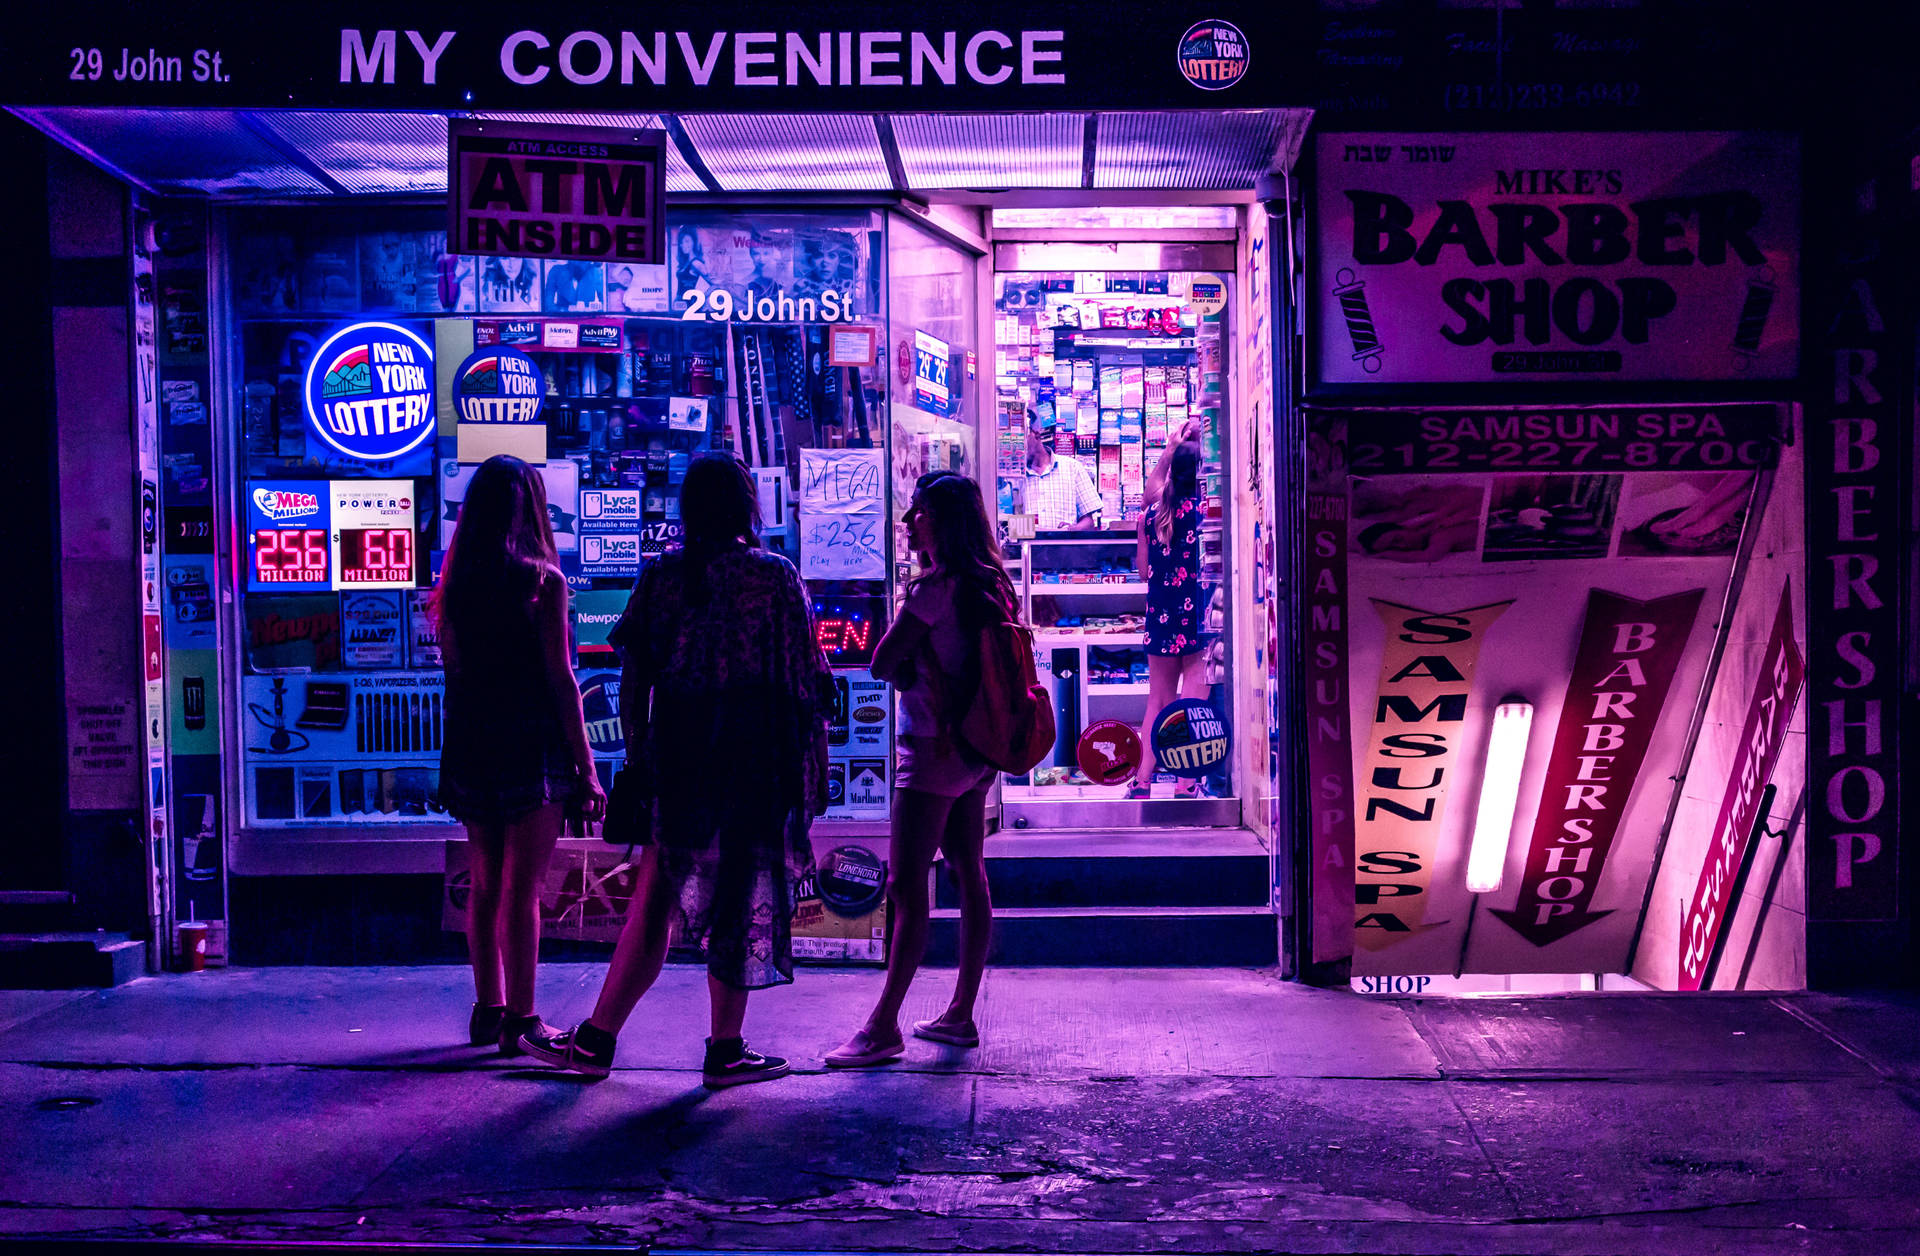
(930, 656)
(1168, 543)
(724, 697)
(515, 760)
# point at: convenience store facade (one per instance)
(1015, 216)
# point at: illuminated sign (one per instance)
(1189, 738)
(847, 629)
(369, 391)
(375, 538)
(288, 531)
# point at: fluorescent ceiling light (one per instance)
(1499, 792)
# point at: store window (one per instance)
(765, 335)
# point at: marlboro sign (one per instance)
(1761, 738)
(1622, 671)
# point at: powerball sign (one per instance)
(370, 391)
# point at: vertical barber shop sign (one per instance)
(1854, 452)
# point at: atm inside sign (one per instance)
(591, 194)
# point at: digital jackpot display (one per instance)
(317, 536)
(848, 628)
(289, 536)
(375, 537)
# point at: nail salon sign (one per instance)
(1551, 258)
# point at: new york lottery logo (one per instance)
(369, 391)
(498, 386)
(280, 504)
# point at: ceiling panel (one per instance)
(680, 176)
(779, 152)
(207, 151)
(1189, 150)
(1009, 150)
(368, 152)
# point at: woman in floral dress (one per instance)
(1169, 558)
(724, 696)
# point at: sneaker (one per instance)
(733, 1063)
(483, 1027)
(515, 1029)
(564, 1049)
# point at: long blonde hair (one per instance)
(1182, 482)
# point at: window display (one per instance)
(355, 442)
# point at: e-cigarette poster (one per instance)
(1553, 258)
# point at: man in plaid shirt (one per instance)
(1060, 491)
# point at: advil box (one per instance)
(842, 913)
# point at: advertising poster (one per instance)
(376, 626)
(842, 524)
(189, 601)
(375, 539)
(562, 477)
(498, 395)
(636, 289)
(423, 650)
(605, 208)
(363, 747)
(1554, 258)
(574, 288)
(510, 285)
(842, 915)
(193, 706)
(292, 632)
(932, 371)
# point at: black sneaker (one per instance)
(583, 1049)
(514, 1029)
(731, 1062)
(483, 1027)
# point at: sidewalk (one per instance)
(1107, 1111)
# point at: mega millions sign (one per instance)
(370, 391)
(1543, 258)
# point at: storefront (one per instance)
(1486, 433)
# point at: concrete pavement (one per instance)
(1111, 1111)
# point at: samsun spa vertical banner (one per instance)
(1414, 755)
(1548, 258)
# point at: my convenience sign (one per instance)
(590, 194)
(1533, 258)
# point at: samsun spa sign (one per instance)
(1552, 258)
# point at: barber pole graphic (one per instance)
(1761, 739)
(1413, 756)
(1622, 670)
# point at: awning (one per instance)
(277, 154)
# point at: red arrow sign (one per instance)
(1628, 652)
(1775, 693)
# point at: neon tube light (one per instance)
(1499, 792)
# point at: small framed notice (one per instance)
(853, 346)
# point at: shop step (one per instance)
(69, 960)
(35, 911)
(1121, 869)
(1121, 937)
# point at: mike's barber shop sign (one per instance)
(1546, 258)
